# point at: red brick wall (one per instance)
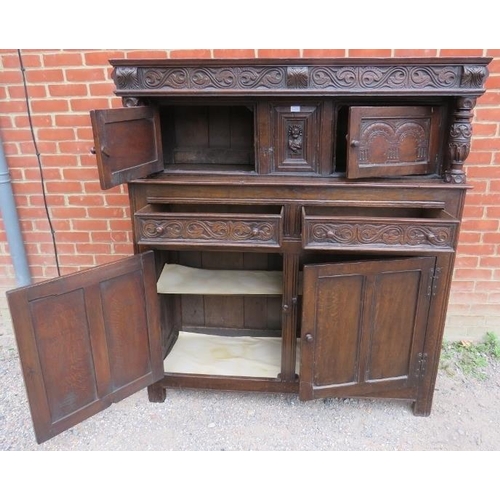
(93, 227)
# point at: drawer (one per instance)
(378, 228)
(209, 225)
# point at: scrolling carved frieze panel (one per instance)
(333, 234)
(339, 78)
(189, 231)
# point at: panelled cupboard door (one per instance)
(87, 340)
(127, 144)
(363, 327)
(392, 140)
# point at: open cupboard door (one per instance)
(392, 140)
(127, 144)
(363, 327)
(87, 340)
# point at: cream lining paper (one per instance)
(246, 356)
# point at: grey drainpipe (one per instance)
(11, 222)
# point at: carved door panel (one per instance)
(392, 140)
(363, 327)
(295, 137)
(87, 340)
(127, 144)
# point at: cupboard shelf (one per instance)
(246, 356)
(177, 279)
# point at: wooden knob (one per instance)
(354, 144)
(309, 338)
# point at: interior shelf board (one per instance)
(177, 279)
(225, 356)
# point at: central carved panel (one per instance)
(296, 136)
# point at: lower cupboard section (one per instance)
(243, 356)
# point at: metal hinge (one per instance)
(434, 275)
(421, 364)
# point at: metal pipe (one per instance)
(11, 222)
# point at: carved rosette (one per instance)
(131, 102)
(474, 76)
(459, 140)
(262, 233)
(355, 234)
(125, 77)
(297, 77)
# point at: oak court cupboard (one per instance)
(295, 226)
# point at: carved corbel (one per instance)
(130, 102)
(459, 140)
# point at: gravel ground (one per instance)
(465, 416)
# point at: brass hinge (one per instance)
(421, 364)
(434, 275)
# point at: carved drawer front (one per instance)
(192, 225)
(392, 140)
(376, 228)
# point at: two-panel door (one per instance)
(87, 340)
(363, 327)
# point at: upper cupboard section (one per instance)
(349, 117)
(278, 137)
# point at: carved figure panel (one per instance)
(295, 139)
(296, 136)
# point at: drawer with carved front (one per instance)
(378, 229)
(209, 225)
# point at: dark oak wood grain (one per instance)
(371, 319)
(346, 176)
(127, 144)
(87, 340)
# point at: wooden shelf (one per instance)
(176, 279)
(225, 356)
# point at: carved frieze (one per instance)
(209, 78)
(238, 232)
(333, 234)
(389, 77)
(351, 78)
